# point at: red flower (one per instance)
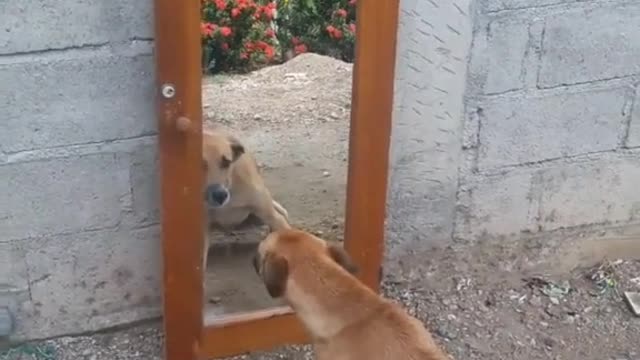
(225, 31)
(352, 28)
(270, 33)
(341, 13)
(244, 55)
(295, 40)
(207, 29)
(225, 46)
(269, 52)
(243, 4)
(267, 11)
(248, 46)
(300, 48)
(261, 45)
(333, 32)
(352, 2)
(235, 12)
(221, 4)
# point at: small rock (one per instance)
(633, 300)
(548, 342)
(554, 301)
(535, 301)
(446, 333)
(326, 174)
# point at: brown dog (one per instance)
(346, 319)
(234, 189)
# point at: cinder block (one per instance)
(497, 5)
(78, 100)
(496, 206)
(633, 139)
(145, 184)
(33, 25)
(13, 270)
(506, 49)
(62, 195)
(88, 281)
(604, 191)
(591, 45)
(523, 130)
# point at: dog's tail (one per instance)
(281, 210)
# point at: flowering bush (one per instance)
(237, 34)
(322, 26)
(245, 34)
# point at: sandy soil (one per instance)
(475, 298)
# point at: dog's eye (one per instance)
(224, 163)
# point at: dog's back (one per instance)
(346, 319)
(390, 334)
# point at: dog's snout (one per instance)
(216, 195)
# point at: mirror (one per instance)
(276, 90)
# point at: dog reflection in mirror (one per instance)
(234, 188)
(346, 319)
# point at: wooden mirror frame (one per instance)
(188, 336)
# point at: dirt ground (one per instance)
(479, 300)
(474, 314)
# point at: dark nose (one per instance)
(216, 195)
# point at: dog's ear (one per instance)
(237, 149)
(339, 255)
(275, 274)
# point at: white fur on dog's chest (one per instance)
(229, 216)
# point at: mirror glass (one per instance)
(276, 90)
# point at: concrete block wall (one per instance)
(551, 140)
(79, 240)
(513, 118)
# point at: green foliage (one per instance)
(325, 26)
